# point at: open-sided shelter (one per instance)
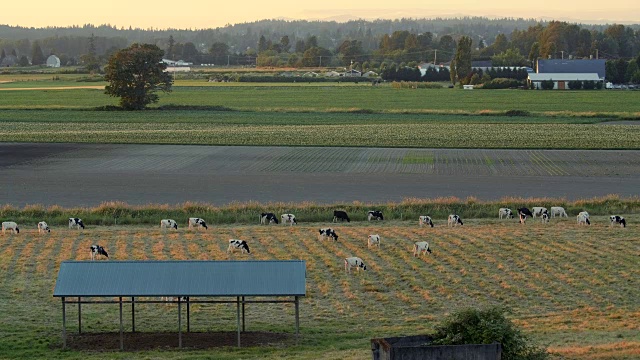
(178, 279)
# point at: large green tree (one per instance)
(37, 57)
(462, 60)
(135, 74)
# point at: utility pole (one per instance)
(228, 60)
(596, 54)
(435, 56)
(320, 61)
(562, 51)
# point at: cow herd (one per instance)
(420, 248)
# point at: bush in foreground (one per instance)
(473, 326)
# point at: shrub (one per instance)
(472, 326)
(547, 84)
(575, 85)
(517, 113)
(502, 83)
(589, 85)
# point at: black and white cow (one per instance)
(454, 220)
(288, 218)
(505, 213)
(583, 218)
(545, 217)
(238, 245)
(42, 227)
(10, 225)
(558, 211)
(616, 219)
(98, 250)
(327, 233)
(340, 215)
(268, 218)
(424, 219)
(373, 240)
(375, 215)
(523, 212)
(76, 222)
(538, 211)
(168, 224)
(197, 222)
(421, 247)
(354, 262)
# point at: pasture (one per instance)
(574, 289)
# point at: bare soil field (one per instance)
(88, 174)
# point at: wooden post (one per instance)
(188, 316)
(179, 322)
(64, 325)
(79, 317)
(121, 328)
(297, 315)
(133, 314)
(238, 317)
(243, 329)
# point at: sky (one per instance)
(199, 14)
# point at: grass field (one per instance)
(573, 289)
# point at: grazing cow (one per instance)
(197, 222)
(288, 218)
(545, 218)
(616, 219)
(327, 233)
(375, 215)
(340, 215)
(424, 219)
(523, 212)
(76, 222)
(558, 211)
(268, 218)
(421, 247)
(583, 218)
(42, 227)
(10, 225)
(98, 250)
(373, 240)
(538, 211)
(168, 224)
(354, 262)
(175, 298)
(454, 220)
(238, 245)
(505, 213)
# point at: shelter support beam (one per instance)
(188, 316)
(179, 323)
(238, 317)
(121, 328)
(64, 324)
(297, 315)
(79, 316)
(243, 328)
(133, 314)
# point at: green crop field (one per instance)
(567, 287)
(328, 116)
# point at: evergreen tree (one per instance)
(462, 59)
(37, 57)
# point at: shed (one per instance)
(420, 347)
(557, 66)
(182, 279)
(53, 61)
(560, 80)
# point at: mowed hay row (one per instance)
(557, 278)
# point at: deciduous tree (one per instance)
(135, 74)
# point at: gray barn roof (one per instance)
(181, 278)
(572, 66)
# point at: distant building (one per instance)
(481, 64)
(559, 66)
(9, 60)
(332, 74)
(352, 73)
(53, 61)
(370, 74)
(560, 80)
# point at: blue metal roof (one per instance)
(181, 278)
(572, 66)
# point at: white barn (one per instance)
(560, 80)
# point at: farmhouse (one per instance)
(53, 61)
(560, 80)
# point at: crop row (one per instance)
(505, 136)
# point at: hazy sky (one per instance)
(204, 14)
